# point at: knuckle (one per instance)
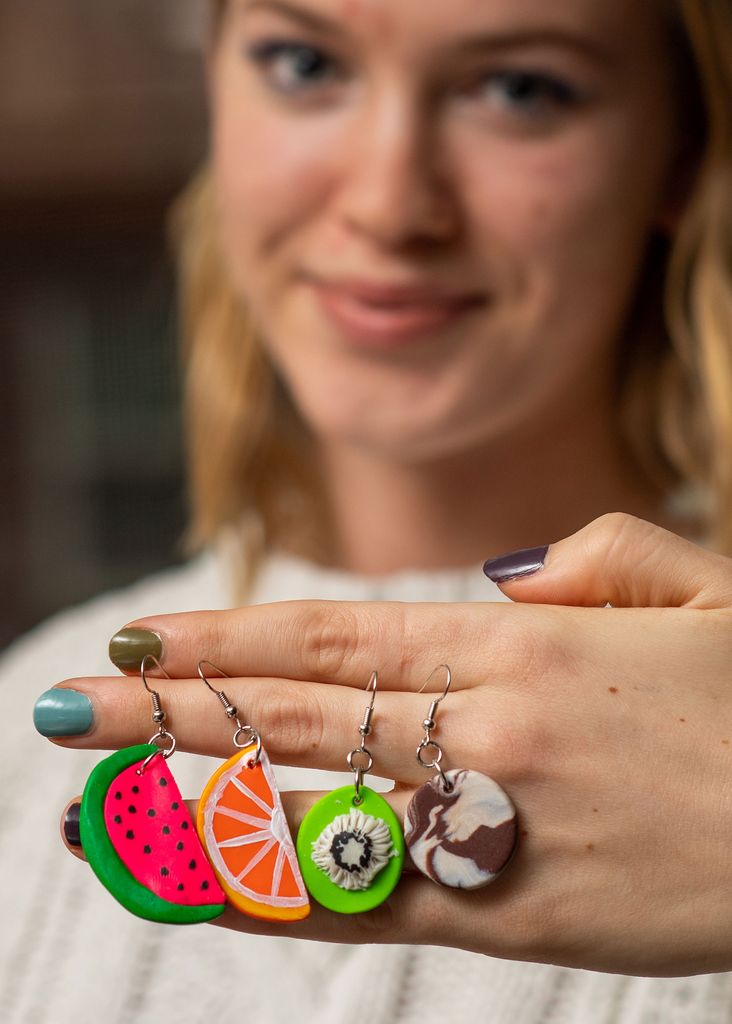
(612, 523)
(611, 534)
(291, 721)
(415, 644)
(522, 750)
(532, 924)
(533, 912)
(537, 649)
(331, 638)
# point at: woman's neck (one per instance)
(521, 492)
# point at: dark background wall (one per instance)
(102, 120)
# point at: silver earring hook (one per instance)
(362, 752)
(158, 716)
(154, 660)
(245, 735)
(428, 725)
(372, 685)
(445, 692)
(228, 707)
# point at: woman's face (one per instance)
(437, 212)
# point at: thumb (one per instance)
(620, 559)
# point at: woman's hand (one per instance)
(610, 729)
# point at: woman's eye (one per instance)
(291, 66)
(527, 93)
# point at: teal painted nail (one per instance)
(62, 712)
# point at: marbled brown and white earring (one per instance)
(460, 827)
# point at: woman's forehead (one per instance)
(459, 19)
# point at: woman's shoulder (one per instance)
(74, 642)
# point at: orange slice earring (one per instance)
(242, 826)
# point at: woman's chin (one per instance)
(376, 430)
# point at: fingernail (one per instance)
(71, 825)
(515, 564)
(62, 712)
(128, 647)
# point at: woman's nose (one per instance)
(396, 189)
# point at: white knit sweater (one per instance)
(69, 954)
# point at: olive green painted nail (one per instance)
(128, 647)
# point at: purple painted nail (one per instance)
(515, 564)
(71, 825)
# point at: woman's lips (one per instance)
(388, 315)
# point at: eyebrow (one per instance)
(309, 18)
(472, 45)
(585, 46)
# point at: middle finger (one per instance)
(308, 725)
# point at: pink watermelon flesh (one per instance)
(155, 838)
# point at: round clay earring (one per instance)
(350, 844)
(460, 827)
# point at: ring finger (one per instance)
(417, 910)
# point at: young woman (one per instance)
(456, 286)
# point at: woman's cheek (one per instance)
(274, 171)
(562, 215)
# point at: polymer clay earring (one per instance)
(138, 836)
(243, 827)
(460, 827)
(350, 844)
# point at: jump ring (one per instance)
(364, 769)
(252, 737)
(435, 760)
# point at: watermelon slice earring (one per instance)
(460, 827)
(243, 827)
(350, 844)
(138, 836)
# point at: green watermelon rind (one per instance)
(103, 858)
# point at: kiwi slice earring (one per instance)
(138, 836)
(350, 844)
(460, 827)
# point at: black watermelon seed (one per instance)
(192, 865)
(204, 885)
(118, 819)
(130, 834)
(180, 846)
(166, 830)
(118, 795)
(162, 782)
(147, 849)
(151, 813)
(164, 871)
(135, 789)
(132, 809)
(175, 805)
(180, 886)
(184, 824)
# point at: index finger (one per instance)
(342, 642)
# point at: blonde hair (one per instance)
(252, 461)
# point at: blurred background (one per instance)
(102, 120)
